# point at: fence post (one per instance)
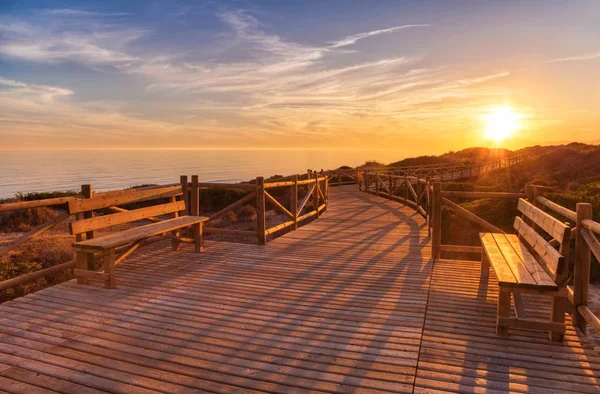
(294, 201)
(406, 189)
(316, 194)
(326, 191)
(581, 275)
(390, 184)
(358, 180)
(436, 240)
(195, 207)
(195, 197)
(376, 183)
(183, 179)
(261, 230)
(86, 192)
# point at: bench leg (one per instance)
(485, 266)
(81, 264)
(558, 316)
(174, 242)
(198, 231)
(109, 269)
(503, 311)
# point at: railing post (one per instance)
(195, 197)
(86, 192)
(406, 189)
(436, 239)
(326, 191)
(390, 184)
(261, 230)
(376, 183)
(581, 275)
(294, 201)
(316, 194)
(183, 179)
(366, 180)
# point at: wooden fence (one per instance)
(312, 204)
(426, 196)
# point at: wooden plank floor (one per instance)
(348, 303)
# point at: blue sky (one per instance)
(332, 74)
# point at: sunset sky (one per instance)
(276, 74)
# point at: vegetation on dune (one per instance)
(25, 219)
(42, 252)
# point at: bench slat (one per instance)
(497, 261)
(127, 236)
(99, 222)
(111, 199)
(537, 272)
(516, 265)
(549, 224)
(552, 260)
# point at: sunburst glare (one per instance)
(501, 123)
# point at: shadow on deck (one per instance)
(348, 303)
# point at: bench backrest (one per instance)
(554, 262)
(113, 199)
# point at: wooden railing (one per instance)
(451, 171)
(408, 190)
(421, 188)
(260, 193)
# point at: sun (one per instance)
(501, 122)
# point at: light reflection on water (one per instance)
(27, 171)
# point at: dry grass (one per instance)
(41, 252)
(25, 220)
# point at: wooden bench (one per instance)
(126, 241)
(527, 263)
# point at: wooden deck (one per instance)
(349, 303)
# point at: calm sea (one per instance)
(27, 171)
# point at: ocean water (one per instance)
(29, 171)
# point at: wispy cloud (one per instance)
(44, 92)
(352, 39)
(576, 58)
(52, 41)
(80, 13)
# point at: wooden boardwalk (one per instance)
(349, 303)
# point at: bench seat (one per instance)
(526, 262)
(125, 237)
(513, 264)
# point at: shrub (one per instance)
(34, 196)
(25, 219)
(246, 213)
